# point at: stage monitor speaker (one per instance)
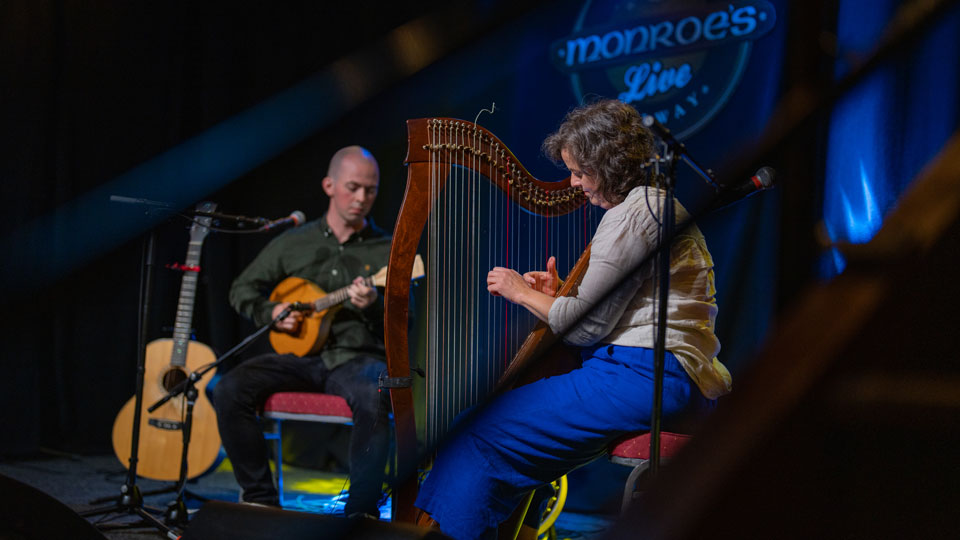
(218, 520)
(27, 513)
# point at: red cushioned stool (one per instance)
(633, 450)
(304, 407)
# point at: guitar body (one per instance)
(161, 439)
(315, 326)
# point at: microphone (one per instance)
(295, 218)
(762, 180)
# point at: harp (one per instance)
(469, 205)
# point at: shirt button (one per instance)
(341, 248)
(334, 271)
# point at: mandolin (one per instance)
(168, 362)
(320, 309)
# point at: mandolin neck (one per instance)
(338, 296)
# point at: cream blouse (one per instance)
(627, 235)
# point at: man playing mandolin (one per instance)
(334, 252)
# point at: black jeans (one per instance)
(240, 394)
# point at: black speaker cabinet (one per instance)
(229, 521)
(27, 513)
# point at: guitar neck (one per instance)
(188, 288)
(188, 294)
(338, 296)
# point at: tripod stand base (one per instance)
(177, 514)
(131, 502)
(146, 520)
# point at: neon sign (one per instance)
(680, 65)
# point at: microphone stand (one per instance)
(177, 510)
(130, 500)
(675, 151)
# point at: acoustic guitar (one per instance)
(320, 309)
(168, 362)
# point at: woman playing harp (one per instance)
(534, 434)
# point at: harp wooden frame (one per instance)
(482, 152)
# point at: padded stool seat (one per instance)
(633, 450)
(308, 407)
(304, 407)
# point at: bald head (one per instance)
(351, 153)
(351, 183)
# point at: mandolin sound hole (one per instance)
(173, 377)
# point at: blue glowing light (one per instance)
(886, 129)
(862, 219)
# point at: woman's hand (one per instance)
(506, 283)
(512, 286)
(546, 282)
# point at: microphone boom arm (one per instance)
(678, 149)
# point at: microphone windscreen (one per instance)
(766, 175)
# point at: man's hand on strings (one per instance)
(546, 282)
(290, 323)
(361, 295)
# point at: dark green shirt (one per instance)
(312, 252)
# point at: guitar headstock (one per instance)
(201, 224)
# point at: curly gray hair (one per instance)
(608, 141)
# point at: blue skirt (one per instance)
(535, 434)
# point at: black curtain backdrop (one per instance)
(91, 90)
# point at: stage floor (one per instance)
(79, 481)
